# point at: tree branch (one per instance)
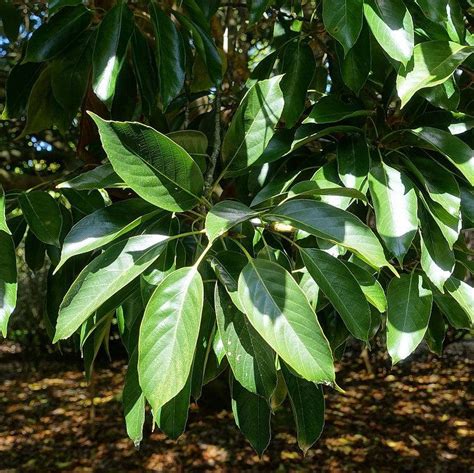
(216, 148)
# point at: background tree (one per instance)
(239, 189)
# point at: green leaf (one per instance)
(251, 360)
(168, 336)
(445, 95)
(105, 225)
(307, 404)
(330, 109)
(34, 251)
(170, 55)
(280, 312)
(451, 147)
(463, 294)
(11, 20)
(332, 224)
(371, 288)
(154, 166)
(104, 276)
(253, 125)
(110, 51)
(355, 67)
(455, 314)
(396, 205)
(43, 216)
(44, 112)
(101, 177)
(57, 33)
(19, 85)
(252, 416)
(8, 273)
(309, 132)
(144, 63)
(257, 8)
(343, 20)
(173, 416)
(133, 402)
(70, 73)
(436, 332)
(432, 63)
(408, 314)
(353, 162)
(341, 288)
(437, 258)
(305, 188)
(392, 25)
(298, 65)
(225, 215)
(193, 141)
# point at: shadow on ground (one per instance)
(412, 418)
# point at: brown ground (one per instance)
(413, 418)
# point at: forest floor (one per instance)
(415, 417)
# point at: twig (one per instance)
(217, 147)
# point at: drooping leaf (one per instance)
(408, 314)
(8, 272)
(280, 312)
(110, 51)
(332, 224)
(463, 294)
(307, 188)
(343, 20)
(432, 63)
(105, 275)
(168, 336)
(330, 109)
(341, 288)
(170, 55)
(451, 147)
(34, 251)
(252, 361)
(436, 332)
(353, 162)
(371, 288)
(252, 416)
(154, 166)
(298, 65)
(455, 314)
(445, 95)
(225, 215)
(133, 402)
(57, 33)
(307, 404)
(105, 225)
(43, 216)
(437, 258)
(395, 204)
(392, 25)
(172, 417)
(253, 125)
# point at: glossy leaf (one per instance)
(168, 336)
(332, 224)
(252, 361)
(105, 275)
(392, 26)
(56, 34)
(280, 312)
(343, 20)
(101, 177)
(432, 63)
(105, 225)
(170, 55)
(252, 416)
(341, 288)
(463, 294)
(298, 65)
(43, 216)
(307, 404)
(253, 124)
(395, 204)
(225, 215)
(408, 314)
(330, 109)
(353, 162)
(155, 167)
(452, 147)
(110, 51)
(436, 332)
